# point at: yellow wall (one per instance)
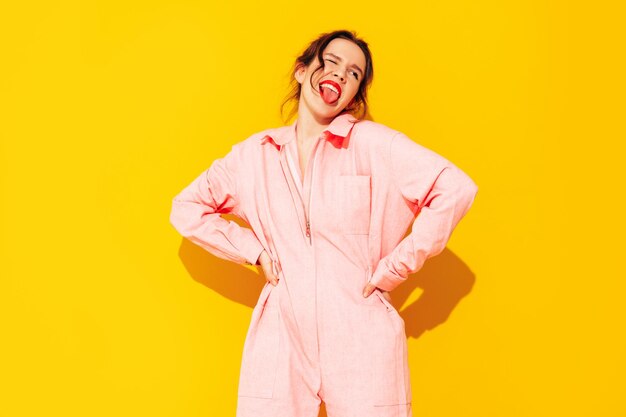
(108, 109)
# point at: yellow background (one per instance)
(108, 109)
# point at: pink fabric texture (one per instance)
(328, 230)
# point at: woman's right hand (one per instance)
(268, 270)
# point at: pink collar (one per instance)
(339, 127)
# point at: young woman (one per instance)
(328, 199)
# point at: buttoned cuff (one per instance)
(252, 251)
(384, 278)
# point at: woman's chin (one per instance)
(321, 110)
(331, 110)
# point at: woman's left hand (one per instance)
(369, 289)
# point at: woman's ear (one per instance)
(299, 73)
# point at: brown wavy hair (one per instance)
(359, 107)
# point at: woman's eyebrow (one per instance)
(339, 59)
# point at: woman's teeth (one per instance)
(330, 87)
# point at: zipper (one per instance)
(305, 207)
(308, 208)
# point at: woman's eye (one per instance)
(356, 75)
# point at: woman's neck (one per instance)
(309, 128)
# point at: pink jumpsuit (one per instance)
(314, 337)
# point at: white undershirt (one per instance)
(294, 169)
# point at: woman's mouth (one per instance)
(330, 91)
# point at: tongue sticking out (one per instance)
(328, 95)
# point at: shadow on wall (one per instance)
(233, 281)
(444, 280)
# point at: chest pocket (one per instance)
(354, 200)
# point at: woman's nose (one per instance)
(339, 74)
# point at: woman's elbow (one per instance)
(179, 218)
(472, 189)
(465, 189)
(468, 193)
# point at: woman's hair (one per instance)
(359, 107)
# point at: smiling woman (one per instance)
(335, 51)
(328, 234)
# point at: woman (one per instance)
(328, 199)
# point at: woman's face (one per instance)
(335, 85)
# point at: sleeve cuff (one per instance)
(253, 251)
(384, 278)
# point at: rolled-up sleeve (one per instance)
(197, 209)
(442, 194)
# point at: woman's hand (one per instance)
(369, 289)
(268, 268)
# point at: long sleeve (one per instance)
(196, 214)
(442, 194)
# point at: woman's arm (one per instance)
(442, 193)
(196, 214)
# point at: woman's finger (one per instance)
(268, 270)
(275, 272)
